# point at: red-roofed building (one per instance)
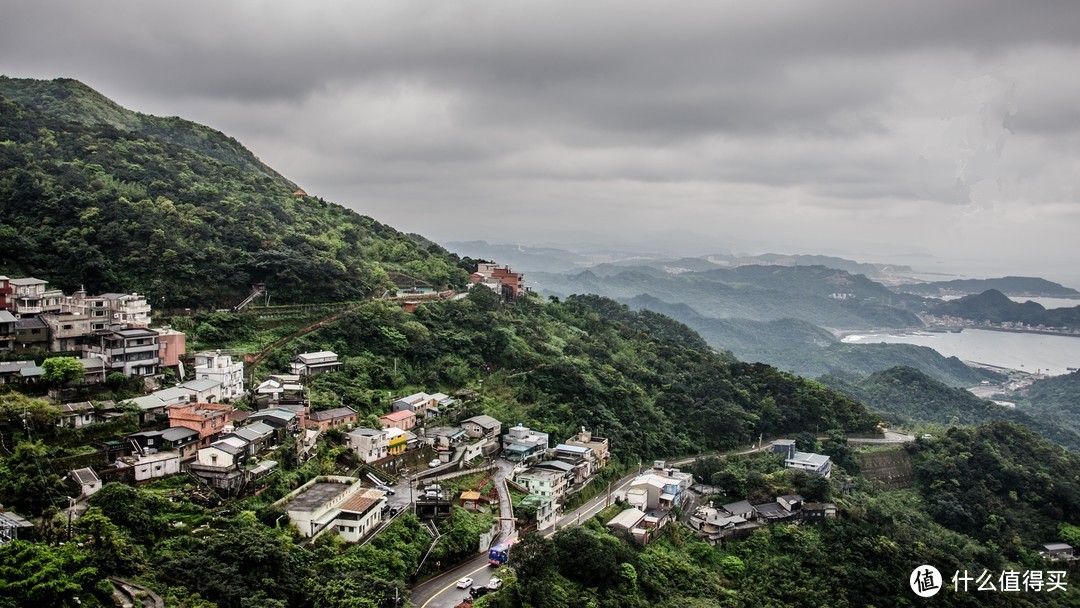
(403, 420)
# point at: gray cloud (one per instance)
(807, 125)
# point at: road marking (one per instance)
(453, 584)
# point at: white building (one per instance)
(313, 364)
(220, 368)
(813, 463)
(156, 466)
(335, 503)
(369, 444)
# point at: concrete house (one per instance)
(87, 480)
(215, 366)
(328, 419)
(403, 419)
(543, 482)
(208, 419)
(520, 443)
(76, 415)
(313, 364)
(481, 426)
(813, 463)
(369, 445)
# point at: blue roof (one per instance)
(576, 449)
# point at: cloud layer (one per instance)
(944, 128)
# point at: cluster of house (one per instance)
(111, 331)
(651, 498)
(736, 520)
(555, 473)
(500, 279)
(217, 379)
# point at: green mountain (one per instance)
(996, 307)
(1055, 399)
(905, 394)
(808, 350)
(93, 194)
(1013, 286)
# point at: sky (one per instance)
(947, 133)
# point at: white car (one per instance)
(435, 463)
(464, 583)
(494, 583)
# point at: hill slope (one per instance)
(904, 394)
(93, 195)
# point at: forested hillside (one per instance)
(94, 195)
(1056, 399)
(905, 395)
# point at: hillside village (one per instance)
(213, 428)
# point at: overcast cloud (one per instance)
(943, 128)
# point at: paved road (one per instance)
(442, 591)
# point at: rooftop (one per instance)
(483, 420)
(398, 416)
(337, 412)
(316, 496)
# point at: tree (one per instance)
(62, 370)
(28, 482)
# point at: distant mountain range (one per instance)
(807, 350)
(996, 307)
(1013, 286)
(819, 295)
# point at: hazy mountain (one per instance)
(996, 307)
(1013, 286)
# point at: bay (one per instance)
(1035, 353)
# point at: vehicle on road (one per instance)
(495, 583)
(434, 463)
(479, 591)
(498, 554)
(464, 583)
(386, 489)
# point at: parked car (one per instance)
(386, 489)
(464, 583)
(435, 463)
(494, 583)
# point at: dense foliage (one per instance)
(905, 395)
(999, 483)
(159, 206)
(1056, 400)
